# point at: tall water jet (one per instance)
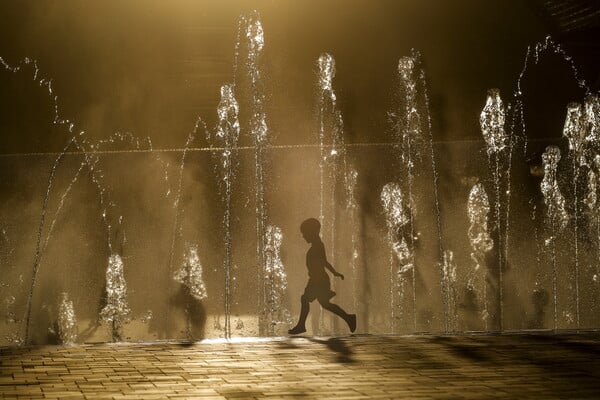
(332, 152)
(592, 204)
(557, 217)
(276, 281)
(67, 323)
(411, 128)
(227, 135)
(581, 130)
(575, 133)
(254, 36)
(410, 137)
(116, 311)
(398, 221)
(591, 119)
(492, 119)
(478, 209)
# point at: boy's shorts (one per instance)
(322, 292)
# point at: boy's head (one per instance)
(310, 229)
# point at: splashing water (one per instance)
(591, 198)
(574, 132)
(90, 152)
(147, 317)
(581, 130)
(410, 135)
(401, 247)
(576, 135)
(478, 208)
(592, 118)
(492, 121)
(326, 65)
(116, 312)
(397, 216)
(392, 200)
(276, 280)
(8, 305)
(409, 131)
(227, 136)
(252, 30)
(411, 128)
(553, 199)
(67, 323)
(593, 209)
(190, 273)
(556, 214)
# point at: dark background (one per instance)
(151, 67)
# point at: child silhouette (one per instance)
(318, 280)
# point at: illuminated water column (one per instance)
(190, 275)
(401, 254)
(492, 121)
(478, 208)
(255, 41)
(116, 312)
(67, 322)
(581, 131)
(226, 136)
(275, 281)
(411, 130)
(557, 217)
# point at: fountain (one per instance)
(419, 262)
(67, 323)
(116, 311)
(396, 212)
(556, 214)
(492, 120)
(412, 132)
(227, 134)
(259, 132)
(275, 282)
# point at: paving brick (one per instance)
(358, 367)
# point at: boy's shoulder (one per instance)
(318, 246)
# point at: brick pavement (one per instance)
(516, 366)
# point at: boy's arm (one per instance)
(333, 271)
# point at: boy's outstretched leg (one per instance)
(337, 310)
(301, 325)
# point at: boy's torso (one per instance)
(315, 263)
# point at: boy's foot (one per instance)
(351, 322)
(297, 330)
